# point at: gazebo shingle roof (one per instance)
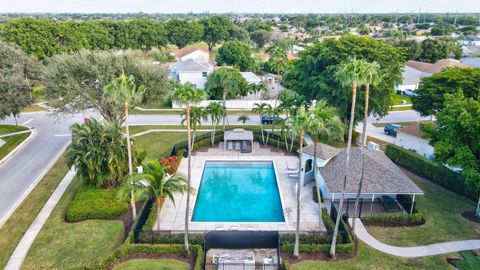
(381, 175)
(324, 151)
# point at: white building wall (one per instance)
(403, 87)
(198, 55)
(419, 145)
(195, 78)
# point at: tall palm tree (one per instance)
(298, 124)
(243, 118)
(124, 90)
(186, 94)
(216, 111)
(351, 73)
(323, 125)
(371, 78)
(261, 109)
(154, 183)
(197, 116)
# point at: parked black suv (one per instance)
(391, 129)
(269, 119)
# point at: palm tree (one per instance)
(352, 74)
(298, 124)
(216, 111)
(197, 116)
(154, 183)
(124, 90)
(371, 77)
(186, 94)
(260, 108)
(323, 125)
(243, 118)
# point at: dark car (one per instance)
(391, 129)
(269, 119)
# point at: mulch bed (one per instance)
(180, 257)
(127, 220)
(471, 216)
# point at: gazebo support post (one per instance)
(371, 205)
(413, 203)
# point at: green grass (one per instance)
(381, 125)
(62, 245)
(13, 230)
(11, 142)
(469, 262)
(178, 111)
(152, 264)
(396, 99)
(442, 210)
(157, 143)
(137, 129)
(369, 258)
(404, 108)
(5, 129)
(33, 108)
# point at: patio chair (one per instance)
(229, 146)
(292, 167)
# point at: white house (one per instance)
(411, 137)
(251, 78)
(411, 79)
(191, 71)
(198, 54)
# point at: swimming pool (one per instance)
(238, 191)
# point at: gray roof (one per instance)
(413, 76)
(190, 65)
(381, 175)
(238, 134)
(472, 62)
(250, 77)
(324, 151)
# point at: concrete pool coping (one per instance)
(244, 222)
(172, 218)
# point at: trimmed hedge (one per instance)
(395, 219)
(435, 172)
(152, 237)
(95, 203)
(129, 249)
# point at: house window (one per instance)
(308, 166)
(204, 74)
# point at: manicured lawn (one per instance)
(403, 108)
(33, 108)
(156, 144)
(62, 245)
(469, 262)
(152, 264)
(398, 98)
(381, 125)
(5, 129)
(137, 129)
(442, 210)
(178, 111)
(12, 231)
(369, 258)
(11, 142)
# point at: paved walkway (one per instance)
(20, 252)
(413, 252)
(16, 133)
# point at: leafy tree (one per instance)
(456, 137)
(469, 30)
(215, 30)
(99, 153)
(235, 53)
(154, 183)
(74, 82)
(147, 34)
(313, 75)
(437, 49)
(216, 111)
(278, 62)
(18, 75)
(183, 33)
(431, 92)
(239, 33)
(261, 37)
(351, 73)
(226, 84)
(323, 126)
(243, 118)
(413, 48)
(123, 92)
(187, 94)
(261, 109)
(197, 116)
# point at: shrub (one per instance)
(395, 219)
(170, 163)
(95, 203)
(152, 237)
(315, 196)
(435, 172)
(320, 248)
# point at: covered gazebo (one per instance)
(238, 140)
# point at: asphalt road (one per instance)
(21, 172)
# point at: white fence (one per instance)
(231, 104)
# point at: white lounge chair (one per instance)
(292, 167)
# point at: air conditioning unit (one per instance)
(373, 146)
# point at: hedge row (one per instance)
(435, 172)
(324, 248)
(153, 237)
(395, 219)
(95, 203)
(129, 249)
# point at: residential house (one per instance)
(191, 71)
(470, 41)
(412, 138)
(382, 179)
(200, 55)
(472, 62)
(251, 78)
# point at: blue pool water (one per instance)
(238, 192)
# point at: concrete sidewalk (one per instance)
(20, 252)
(413, 252)
(16, 133)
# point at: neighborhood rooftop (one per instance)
(434, 68)
(190, 65)
(324, 151)
(186, 51)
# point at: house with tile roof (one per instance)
(197, 54)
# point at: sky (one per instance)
(238, 6)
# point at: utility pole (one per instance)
(455, 21)
(419, 15)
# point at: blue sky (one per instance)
(270, 6)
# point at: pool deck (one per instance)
(172, 218)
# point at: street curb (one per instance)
(32, 186)
(33, 133)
